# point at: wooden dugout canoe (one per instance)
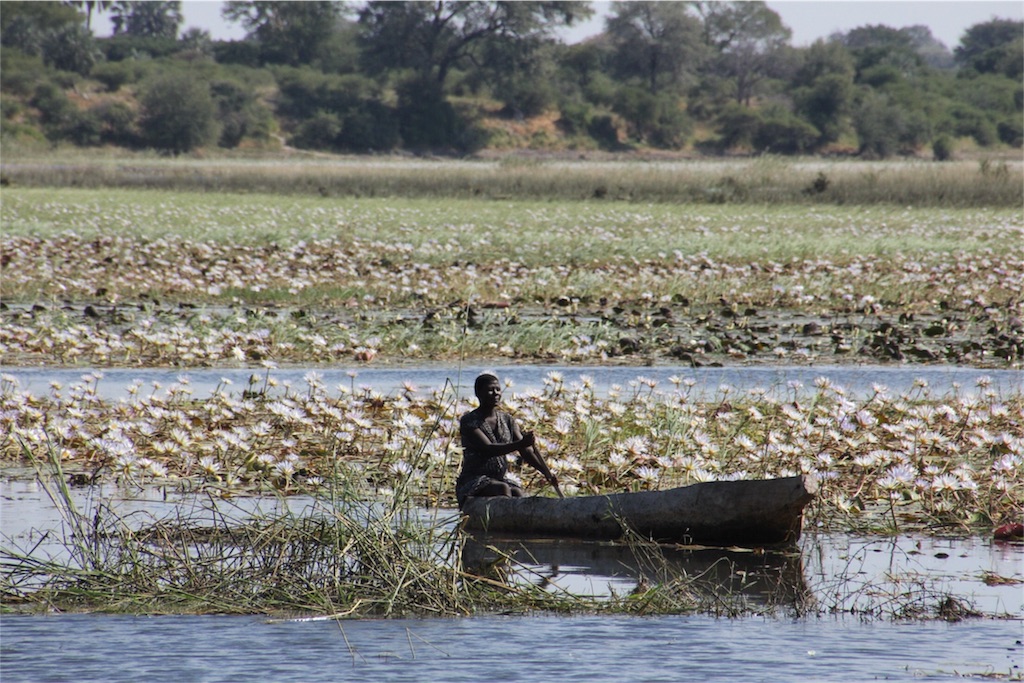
(742, 513)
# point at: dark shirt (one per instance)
(479, 470)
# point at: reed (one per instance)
(342, 557)
(752, 181)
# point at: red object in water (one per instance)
(1008, 532)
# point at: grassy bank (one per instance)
(757, 181)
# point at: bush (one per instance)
(942, 148)
(575, 117)
(1011, 132)
(55, 109)
(737, 126)
(604, 131)
(21, 73)
(178, 114)
(371, 126)
(71, 48)
(84, 128)
(783, 133)
(319, 132)
(115, 75)
(426, 119)
(118, 123)
(241, 114)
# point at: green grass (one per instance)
(529, 232)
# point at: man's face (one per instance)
(490, 393)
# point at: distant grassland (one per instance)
(767, 180)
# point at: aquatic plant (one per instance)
(884, 462)
(157, 279)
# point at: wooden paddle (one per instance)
(551, 480)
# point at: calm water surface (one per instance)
(841, 570)
(858, 380)
(523, 648)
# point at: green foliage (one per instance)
(575, 117)
(604, 131)
(21, 72)
(942, 148)
(885, 129)
(240, 114)
(43, 16)
(737, 125)
(416, 75)
(426, 120)
(55, 109)
(782, 133)
(133, 47)
(993, 47)
(115, 75)
(653, 118)
(148, 19)
(969, 121)
(70, 48)
(118, 123)
(178, 114)
(292, 33)
(319, 132)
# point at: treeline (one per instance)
(720, 77)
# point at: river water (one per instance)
(848, 576)
(523, 648)
(858, 380)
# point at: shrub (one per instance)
(604, 131)
(1011, 132)
(783, 133)
(371, 126)
(319, 132)
(942, 148)
(115, 75)
(178, 114)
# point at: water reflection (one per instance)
(842, 572)
(606, 569)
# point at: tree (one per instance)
(90, 6)
(657, 42)
(746, 39)
(993, 47)
(147, 19)
(292, 33)
(70, 48)
(823, 89)
(432, 38)
(178, 114)
(880, 49)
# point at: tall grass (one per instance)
(757, 181)
(343, 557)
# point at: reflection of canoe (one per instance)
(744, 513)
(770, 577)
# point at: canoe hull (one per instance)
(743, 513)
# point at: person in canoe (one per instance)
(488, 435)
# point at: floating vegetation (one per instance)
(884, 462)
(155, 279)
